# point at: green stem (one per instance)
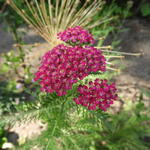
(13, 30)
(62, 105)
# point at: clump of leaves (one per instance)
(145, 9)
(126, 130)
(72, 127)
(3, 139)
(18, 76)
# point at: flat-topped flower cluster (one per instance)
(65, 65)
(76, 35)
(97, 94)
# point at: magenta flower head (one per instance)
(96, 95)
(65, 65)
(77, 36)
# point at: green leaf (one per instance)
(145, 9)
(4, 68)
(140, 106)
(15, 59)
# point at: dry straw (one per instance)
(49, 17)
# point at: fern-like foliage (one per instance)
(76, 128)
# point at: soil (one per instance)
(7, 42)
(20, 132)
(137, 40)
(135, 76)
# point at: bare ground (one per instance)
(136, 76)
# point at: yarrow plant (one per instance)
(65, 65)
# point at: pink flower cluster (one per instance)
(76, 35)
(98, 94)
(65, 65)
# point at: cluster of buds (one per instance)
(65, 65)
(97, 94)
(77, 36)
